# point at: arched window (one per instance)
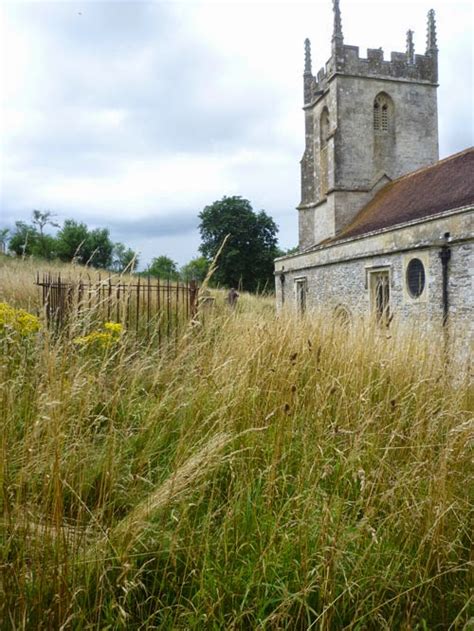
(323, 153)
(324, 127)
(383, 113)
(342, 316)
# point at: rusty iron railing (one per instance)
(148, 306)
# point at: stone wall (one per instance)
(339, 275)
(415, 129)
(355, 155)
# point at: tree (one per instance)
(124, 258)
(45, 244)
(31, 240)
(163, 267)
(88, 247)
(23, 240)
(196, 269)
(99, 248)
(71, 241)
(247, 257)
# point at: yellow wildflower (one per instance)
(113, 327)
(17, 321)
(101, 339)
(95, 339)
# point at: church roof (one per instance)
(444, 186)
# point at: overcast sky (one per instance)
(135, 115)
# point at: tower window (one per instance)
(383, 113)
(324, 127)
(323, 153)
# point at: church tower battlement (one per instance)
(367, 121)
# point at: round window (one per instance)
(415, 278)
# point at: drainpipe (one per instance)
(445, 256)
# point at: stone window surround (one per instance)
(300, 284)
(370, 272)
(383, 113)
(424, 257)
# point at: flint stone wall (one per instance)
(339, 275)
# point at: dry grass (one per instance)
(274, 473)
(18, 277)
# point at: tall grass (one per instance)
(17, 278)
(273, 473)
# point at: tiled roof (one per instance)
(446, 185)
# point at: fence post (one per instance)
(192, 297)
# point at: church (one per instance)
(385, 227)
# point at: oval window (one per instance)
(415, 278)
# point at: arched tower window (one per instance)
(324, 127)
(383, 113)
(323, 153)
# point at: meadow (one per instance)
(268, 472)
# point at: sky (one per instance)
(136, 115)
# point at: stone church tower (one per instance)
(367, 121)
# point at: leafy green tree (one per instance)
(163, 267)
(196, 269)
(99, 248)
(247, 257)
(124, 258)
(24, 239)
(71, 240)
(31, 239)
(46, 244)
(46, 247)
(88, 247)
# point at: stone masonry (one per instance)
(364, 223)
(346, 160)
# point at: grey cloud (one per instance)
(152, 227)
(168, 103)
(143, 59)
(128, 230)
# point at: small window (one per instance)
(415, 278)
(301, 290)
